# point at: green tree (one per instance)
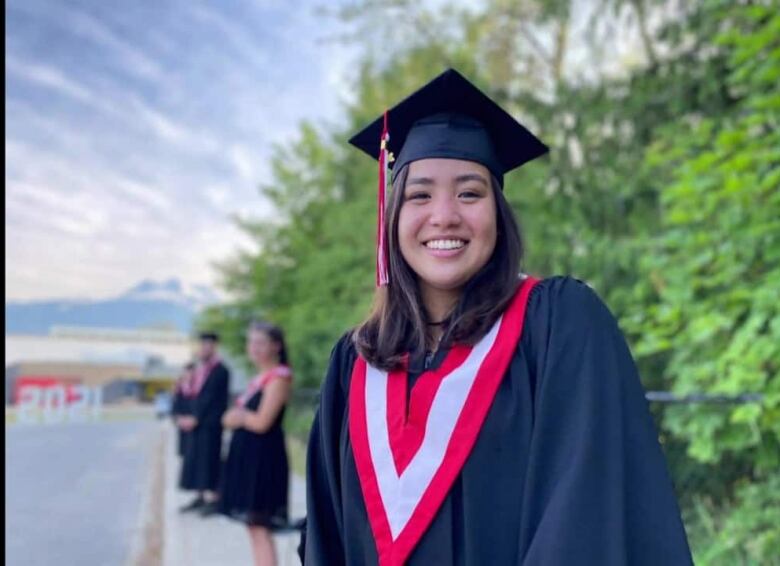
(711, 281)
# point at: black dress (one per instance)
(566, 468)
(256, 475)
(203, 450)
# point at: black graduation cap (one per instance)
(450, 117)
(208, 335)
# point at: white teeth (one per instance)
(445, 244)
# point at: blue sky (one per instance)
(135, 129)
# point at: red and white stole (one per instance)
(202, 373)
(407, 465)
(260, 381)
(186, 384)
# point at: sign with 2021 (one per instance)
(59, 403)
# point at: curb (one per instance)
(147, 543)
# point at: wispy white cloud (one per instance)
(80, 184)
(145, 193)
(50, 78)
(164, 126)
(133, 136)
(245, 45)
(245, 162)
(70, 215)
(130, 58)
(218, 196)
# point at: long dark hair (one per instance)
(275, 334)
(398, 322)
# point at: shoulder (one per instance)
(282, 371)
(342, 359)
(565, 292)
(344, 355)
(345, 346)
(221, 368)
(566, 306)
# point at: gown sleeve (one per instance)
(177, 407)
(321, 538)
(597, 491)
(211, 402)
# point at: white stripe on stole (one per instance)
(401, 495)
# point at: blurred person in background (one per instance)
(182, 403)
(203, 449)
(255, 480)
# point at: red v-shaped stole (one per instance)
(407, 465)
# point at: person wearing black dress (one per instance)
(203, 450)
(255, 482)
(479, 416)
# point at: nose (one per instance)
(444, 212)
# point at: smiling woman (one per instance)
(479, 416)
(443, 223)
(447, 227)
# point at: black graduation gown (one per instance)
(182, 405)
(203, 451)
(566, 469)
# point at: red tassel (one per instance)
(382, 276)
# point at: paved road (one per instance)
(74, 492)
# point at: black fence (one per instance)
(310, 396)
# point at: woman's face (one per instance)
(447, 222)
(261, 349)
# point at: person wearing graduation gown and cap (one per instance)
(203, 450)
(478, 416)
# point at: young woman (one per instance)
(254, 488)
(479, 416)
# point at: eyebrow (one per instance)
(419, 181)
(471, 177)
(427, 181)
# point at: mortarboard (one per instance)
(451, 118)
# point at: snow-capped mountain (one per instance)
(173, 290)
(149, 304)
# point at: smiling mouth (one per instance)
(445, 244)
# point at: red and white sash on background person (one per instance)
(202, 372)
(407, 464)
(186, 384)
(260, 381)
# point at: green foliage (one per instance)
(315, 261)
(743, 531)
(662, 190)
(713, 308)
